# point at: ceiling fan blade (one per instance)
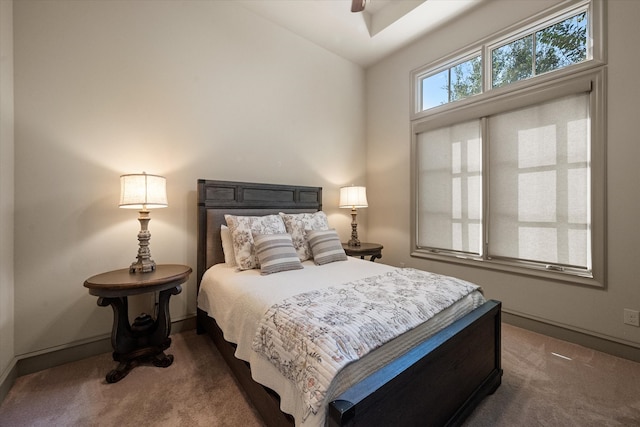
(357, 5)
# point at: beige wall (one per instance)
(188, 90)
(6, 189)
(208, 90)
(593, 311)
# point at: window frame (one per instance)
(551, 85)
(596, 55)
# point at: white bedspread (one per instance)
(239, 300)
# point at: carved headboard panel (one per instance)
(217, 198)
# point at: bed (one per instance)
(439, 380)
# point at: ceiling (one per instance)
(363, 37)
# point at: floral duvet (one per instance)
(309, 337)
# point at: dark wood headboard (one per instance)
(217, 198)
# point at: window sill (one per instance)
(572, 277)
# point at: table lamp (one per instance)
(353, 197)
(143, 192)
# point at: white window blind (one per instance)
(539, 183)
(450, 188)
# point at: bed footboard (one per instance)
(438, 383)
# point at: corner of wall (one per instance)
(7, 320)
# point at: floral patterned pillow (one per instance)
(298, 224)
(242, 228)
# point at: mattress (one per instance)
(238, 300)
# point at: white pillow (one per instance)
(242, 229)
(298, 224)
(325, 246)
(275, 253)
(227, 246)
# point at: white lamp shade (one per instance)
(143, 191)
(353, 197)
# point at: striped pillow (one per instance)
(297, 224)
(325, 246)
(276, 253)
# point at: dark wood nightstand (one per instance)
(365, 249)
(147, 338)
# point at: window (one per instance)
(450, 185)
(451, 84)
(539, 183)
(555, 43)
(515, 180)
(553, 47)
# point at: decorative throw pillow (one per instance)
(325, 246)
(298, 224)
(275, 253)
(227, 246)
(242, 229)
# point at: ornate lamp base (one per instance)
(144, 264)
(354, 229)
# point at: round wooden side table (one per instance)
(146, 339)
(374, 250)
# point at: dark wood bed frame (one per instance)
(437, 383)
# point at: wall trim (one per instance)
(596, 343)
(31, 364)
(8, 379)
